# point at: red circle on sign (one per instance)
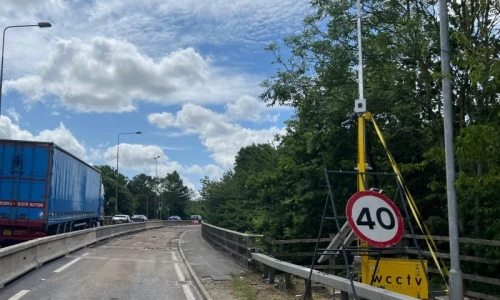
(397, 214)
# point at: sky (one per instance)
(184, 73)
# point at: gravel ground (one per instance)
(250, 286)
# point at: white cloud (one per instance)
(60, 135)
(11, 111)
(64, 138)
(251, 109)
(140, 158)
(162, 120)
(30, 7)
(107, 75)
(212, 171)
(222, 138)
(213, 22)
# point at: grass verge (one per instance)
(242, 288)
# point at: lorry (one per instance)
(45, 190)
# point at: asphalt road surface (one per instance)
(143, 265)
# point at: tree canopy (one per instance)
(280, 191)
(145, 195)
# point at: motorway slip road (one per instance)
(143, 265)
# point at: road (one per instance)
(143, 265)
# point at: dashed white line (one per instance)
(67, 265)
(19, 295)
(185, 287)
(179, 273)
(187, 292)
(174, 258)
(116, 243)
(85, 254)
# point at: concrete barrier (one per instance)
(50, 248)
(79, 239)
(17, 260)
(21, 258)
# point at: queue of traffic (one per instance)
(120, 219)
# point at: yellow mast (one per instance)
(361, 187)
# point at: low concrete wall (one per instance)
(21, 258)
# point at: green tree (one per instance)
(174, 194)
(126, 201)
(142, 188)
(318, 79)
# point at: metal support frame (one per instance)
(366, 251)
(329, 199)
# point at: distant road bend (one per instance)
(143, 265)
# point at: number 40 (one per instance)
(365, 214)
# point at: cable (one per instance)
(413, 206)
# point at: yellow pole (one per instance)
(361, 187)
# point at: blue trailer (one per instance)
(45, 190)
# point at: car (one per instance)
(174, 218)
(119, 219)
(139, 218)
(196, 217)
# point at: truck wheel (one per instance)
(66, 227)
(71, 227)
(59, 229)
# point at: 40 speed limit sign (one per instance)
(375, 219)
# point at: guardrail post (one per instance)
(288, 282)
(272, 272)
(268, 245)
(344, 295)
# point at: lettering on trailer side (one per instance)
(25, 204)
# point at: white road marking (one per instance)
(116, 243)
(85, 254)
(187, 292)
(67, 265)
(185, 287)
(179, 273)
(174, 258)
(125, 259)
(19, 295)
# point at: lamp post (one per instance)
(41, 25)
(117, 157)
(456, 277)
(156, 185)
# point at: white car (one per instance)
(119, 219)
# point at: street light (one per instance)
(156, 185)
(41, 25)
(456, 276)
(117, 157)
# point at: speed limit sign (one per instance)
(375, 219)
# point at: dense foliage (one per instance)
(280, 191)
(143, 194)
